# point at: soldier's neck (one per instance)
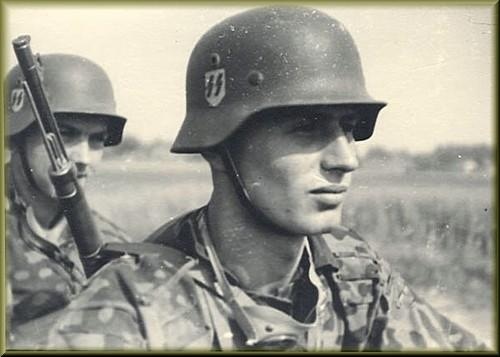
(254, 253)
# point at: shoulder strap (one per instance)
(173, 256)
(183, 267)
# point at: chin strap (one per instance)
(238, 313)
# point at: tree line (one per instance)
(477, 157)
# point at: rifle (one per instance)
(63, 172)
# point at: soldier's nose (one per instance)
(340, 155)
(80, 153)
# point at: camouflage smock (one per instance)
(343, 297)
(43, 276)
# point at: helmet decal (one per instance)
(215, 86)
(16, 99)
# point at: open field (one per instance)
(435, 228)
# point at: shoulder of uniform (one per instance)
(111, 231)
(152, 253)
(126, 293)
(177, 233)
(170, 229)
(147, 263)
(165, 231)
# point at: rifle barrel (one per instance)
(72, 198)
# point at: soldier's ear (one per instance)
(8, 155)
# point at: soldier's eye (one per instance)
(69, 135)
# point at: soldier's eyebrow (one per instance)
(82, 127)
(303, 117)
(68, 129)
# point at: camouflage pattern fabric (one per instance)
(43, 277)
(381, 311)
(168, 300)
(136, 303)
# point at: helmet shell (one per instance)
(267, 58)
(73, 85)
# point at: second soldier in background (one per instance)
(44, 269)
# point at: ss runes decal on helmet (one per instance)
(16, 99)
(215, 86)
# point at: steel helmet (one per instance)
(73, 85)
(267, 58)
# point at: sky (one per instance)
(432, 64)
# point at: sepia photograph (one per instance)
(239, 176)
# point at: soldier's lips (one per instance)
(330, 189)
(331, 195)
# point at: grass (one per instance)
(436, 236)
(435, 228)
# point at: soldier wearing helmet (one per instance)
(44, 269)
(276, 100)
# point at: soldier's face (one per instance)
(84, 141)
(297, 167)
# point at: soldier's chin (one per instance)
(312, 226)
(326, 222)
(82, 181)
